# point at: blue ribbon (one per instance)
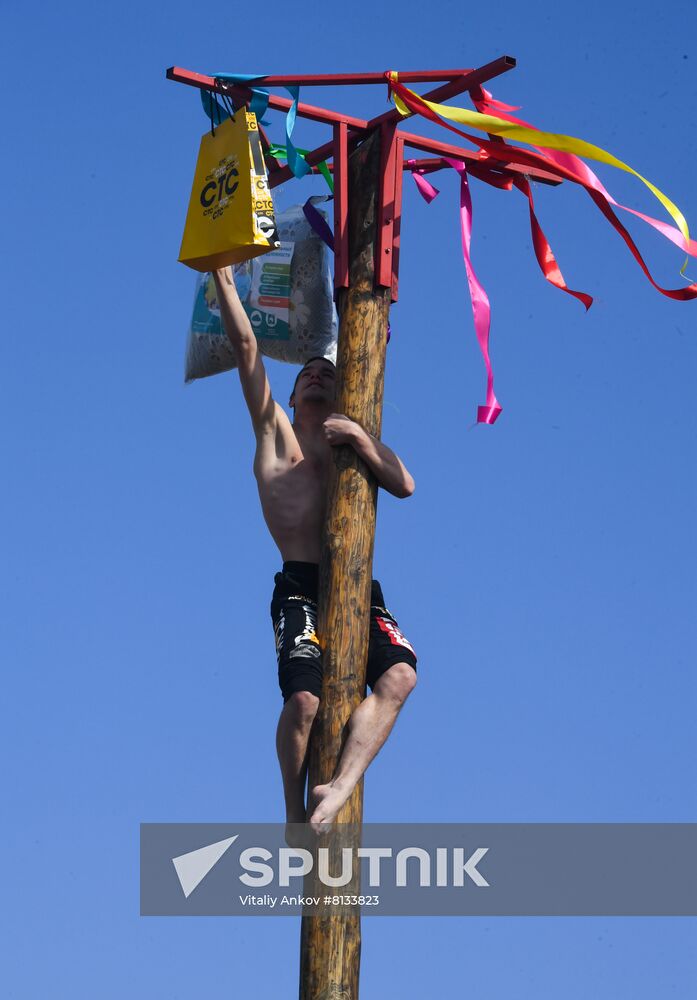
(215, 112)
(260, 97)
(259, 104)
(296, 161)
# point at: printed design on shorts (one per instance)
(305, 643)
(279, 631)
(393, 632)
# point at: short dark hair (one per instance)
(317, 357)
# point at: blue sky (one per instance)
(544, 568)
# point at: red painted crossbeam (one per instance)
(446, 149)
(474, 165)
(426, 145)
(277, 103)
(354, 79)
(357, 79)
(462, 80)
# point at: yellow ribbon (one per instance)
(548, 140)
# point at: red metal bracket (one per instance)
(341, 248)
(385, 208)
(397, 224)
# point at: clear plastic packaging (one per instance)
(288, 295)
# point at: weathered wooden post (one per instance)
(331, 945)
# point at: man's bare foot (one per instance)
(324, 804)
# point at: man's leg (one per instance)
(368, 728)
(299, 657)
(292, 738)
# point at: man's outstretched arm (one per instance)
(388, 469)
(255, 384)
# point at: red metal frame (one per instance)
(354, 79)
(397, 224)
(244, 95)
(341, 249)
(348, 130)
(386, 207)
(481, 169)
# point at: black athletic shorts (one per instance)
(294, 616)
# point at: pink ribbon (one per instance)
(427, 190)
(481, 310)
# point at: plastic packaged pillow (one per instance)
(287, 295)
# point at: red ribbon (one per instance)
(543, 251)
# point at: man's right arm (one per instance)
(255, 384)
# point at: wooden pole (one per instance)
(330, 946)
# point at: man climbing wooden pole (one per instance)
(330, 945)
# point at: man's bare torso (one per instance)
(292, 481)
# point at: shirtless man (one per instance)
(291, 466)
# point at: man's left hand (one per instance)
(339, 429)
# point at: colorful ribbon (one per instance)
(280, 153)
(543, 251)
(297, 163)
(481, 309)
(260, 97)
(318, 223)
(215, 113)
(575, 164)
(428, 191)
(503, 152)
(259, 104)
(513, 129)
(480, 302)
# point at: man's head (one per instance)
(315, 383)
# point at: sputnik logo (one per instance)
(193, 867)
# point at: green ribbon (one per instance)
(281, 153)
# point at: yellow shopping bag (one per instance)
(230, 216)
